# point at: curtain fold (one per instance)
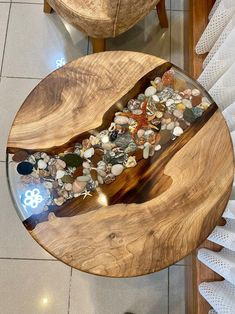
(218, 78)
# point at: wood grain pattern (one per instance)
(156, 213)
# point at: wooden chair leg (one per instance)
(161, 11)
(99, 44)
(47, 8)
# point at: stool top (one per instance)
(119, 164)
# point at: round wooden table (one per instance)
(119, 164)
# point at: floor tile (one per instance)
(168, 4)
(177, 4)
(146, 36)
(177, 38)
(15, 241)
(12, 94)
(34, 287)
(49, 46)
(4, 11)
(99, 295)
(177, 290)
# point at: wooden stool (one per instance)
(113, 20)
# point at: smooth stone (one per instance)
(68, 186)
(170, 126)
(113, 136)
(170, 102)
(187, 103)
(151, 151)
(196, 100)
(83, 178)
(86, 171)
(165, 137)
(89, 152)
(48, 185)
(157, 80)
(180, 106)
(189, 116)
(131, 162)
(86, 165)
(155, 98)
(158, 147)
(137, 111)
(117, 169)
(107, 146)
(20, 155)
(72, 160)
(148, 132)
(67, 179)
(42, 164)
(197, 112)
(101, 172)
(159, 114)
(61, 163)
(150, 91)
(25, 168)
(79, 186)
(100, 180)
(91, 185)
(178, 131)
(140, 132)
(196, 92)
(146, 151)
(178, 114)
(105, 139)
(141, 97)
(121, 120)
(59, 174)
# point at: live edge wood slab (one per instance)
(156, 213)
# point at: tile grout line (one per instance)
(23, 77)
(28, 259)
(70, 282)
(168, 291)
(5, 41)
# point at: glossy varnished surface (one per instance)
(152, 215)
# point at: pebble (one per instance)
(102, 173)
(150, 91)
(105, 139)
(67, 179)
(60, 164)
(197, 112)
(196, 92)
(170, 126)
(141, 97)
(20, 155)
(140, 132)
(178, 131)
(25, 168)
(157, 80)
(89, 153)
(113, 135)
(187, 103)
(42, 164)
(59, 201)
(180, 106)
(165, 137)
(72, 160)
(68, 186)
(189, 116)
(117, 169)
(59, 174)
(159, 114)
(86, 171)
(170, 102)
(121, 120)
(158, 147)
(78, 186)
(178, 114)
(155, 98)
(83, 178)
(146, 151)
(100, 180)
(86, 165)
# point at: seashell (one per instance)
(170, 102)
(94, 140)
(158, 147)
(117, 169)
(131, 162)
(105, 139)
(59, 201)
(60, 164)
(86, 165)
(196, 92)
(140, 133)
(155, 98)
(86, 143)
(109, 178)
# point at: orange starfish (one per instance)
(143, 121)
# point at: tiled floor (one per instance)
(33, 44)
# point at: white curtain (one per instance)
(218, 78)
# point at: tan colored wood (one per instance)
(98, 44)
(47, 8)
(156, 213)
(162, 15)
